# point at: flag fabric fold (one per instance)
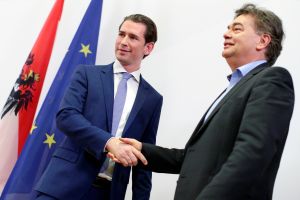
(17, 115)
(44, 136)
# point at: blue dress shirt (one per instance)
(234, 78)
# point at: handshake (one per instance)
(125, 151)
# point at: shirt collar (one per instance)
(245, 69)
(118, 68)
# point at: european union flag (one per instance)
(44, 136)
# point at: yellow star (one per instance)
(85, 49)
(50, 140)
(32, 128)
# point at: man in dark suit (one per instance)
(79, 168)
(235, 150)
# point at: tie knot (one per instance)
(126, 76)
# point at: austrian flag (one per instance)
(16, 118)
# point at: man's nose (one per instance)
(124, 40)
(227, 34)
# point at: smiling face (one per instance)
(130, 46)
(242, 42)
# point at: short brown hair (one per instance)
(151, 30)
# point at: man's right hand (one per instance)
(125, 151)
(133, 142)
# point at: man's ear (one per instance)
(148, 48)
(264, 41)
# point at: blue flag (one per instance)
(44, 136)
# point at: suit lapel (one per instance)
(138, 103)
(106, 76)
(198, 131)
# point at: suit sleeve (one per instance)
(71, 121)
(163, 160)
(261, 137)
(141, 179)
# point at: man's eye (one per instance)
(133, 37)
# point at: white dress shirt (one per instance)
(132, 88)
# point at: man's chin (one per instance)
(121, 57)
(226, 53)
(122, 61)
(223, 55)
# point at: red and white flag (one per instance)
(16, 119)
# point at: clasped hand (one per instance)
(125, 151)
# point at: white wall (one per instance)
(186, 65)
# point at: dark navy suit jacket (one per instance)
(85, 116)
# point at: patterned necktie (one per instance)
(119, 102)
